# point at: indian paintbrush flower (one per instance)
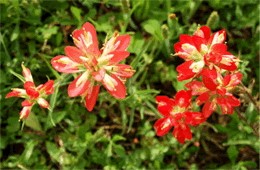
(96, 66)
(31, 93)
(220, 92)
(203, 54)
(175, 112)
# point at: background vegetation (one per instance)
(119, 134)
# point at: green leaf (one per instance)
(32, 121)
(29, 149)
(232, 153)
(124, 116)
(18, 75)
(57, 117)
(32, 47)
(103, 113)
(117, 138)
(16, 5)
(13, 124)
(15, 33)
(76, 12)
(53, 151)
(119, 150)
(153, 27)
(59, 39)
(252, 164)
(251, 113)
(43, 56)
(108, 150)
(88, 136)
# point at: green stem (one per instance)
(241, 117)
(250, 97)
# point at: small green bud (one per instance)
(212, 19)
(165, 31)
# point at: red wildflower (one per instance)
(219, 92)
(31, 93)
(175, 114)
(95, 65)
(202, 51)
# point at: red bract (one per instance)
(202, 51)
(176, 114)
(220, 92)
(96, 66)
(31, 93)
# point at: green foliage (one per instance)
(69, 137)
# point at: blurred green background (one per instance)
(119, 134)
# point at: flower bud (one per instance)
(212, 19)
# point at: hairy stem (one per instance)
(241, 117)
(250, 97)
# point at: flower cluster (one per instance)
(96, 66)
(31, 93)
(205, 55)
(175, 112)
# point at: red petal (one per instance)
(197, 87)
(123, 70)
(206, 32)
(163, 126)
(75, 90)
(203, 98)
(235, 79)
(226, 80)
(231, 67)
(25, 112)
(27, 74)
(181, 134)
(114, 86)
(26, 103)
(194, 118)
(99, 75)
(91, 98)
(165, 105)
(230, 99)
(209, 83)
(216, 37)
(47, 87)
(74, 53)
(208, 108)
(186, 39)
(118, 56)
(198, 41)
(124, 42)
(43, 103)
(17, 93)
(177, 47)
(64, 64)
(182, 98)
(184, 71)
(30, 89)
(209, 78)
(87, 43)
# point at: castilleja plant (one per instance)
(176, 113)
(96, 66)
(31, 93)
(221, 93)
(204, 54)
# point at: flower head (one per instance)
(32, 94)
(203, 51)
(96, 66)
(175, 112)
(214, 92)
